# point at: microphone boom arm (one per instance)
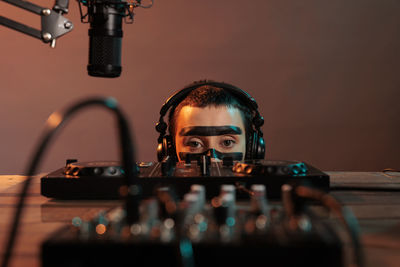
(53, 24)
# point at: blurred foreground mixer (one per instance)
(193, 231)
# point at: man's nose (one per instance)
(213, 155)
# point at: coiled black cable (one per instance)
(54, 123)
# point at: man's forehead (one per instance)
(209, 116)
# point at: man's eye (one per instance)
(228, 143)
(194, 144)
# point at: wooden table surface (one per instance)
(378, 213)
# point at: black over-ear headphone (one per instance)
(255, 147)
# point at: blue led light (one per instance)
(230, 221)
(103, 220)
(111, 103)
(76, 221)
(186, 248)
(203, 226)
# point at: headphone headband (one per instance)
(179, 95)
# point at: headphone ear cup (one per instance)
(256, 147)
(171, 151)
(249, 147)
(260, 148)
(160, 151)
(165, 148)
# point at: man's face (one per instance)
(200, 129)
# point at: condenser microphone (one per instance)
(105, 37)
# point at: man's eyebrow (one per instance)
(210, 130)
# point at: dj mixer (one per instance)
(103, 180)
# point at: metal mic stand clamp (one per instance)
(53, 24)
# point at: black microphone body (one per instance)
(105, 37)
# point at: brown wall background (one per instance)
(325, 75)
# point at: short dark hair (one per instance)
(208, 95)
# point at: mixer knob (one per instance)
(69, 161)
(98, 171)
(228, 189)
(112, 170)
(201, 191)
(259, 203)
